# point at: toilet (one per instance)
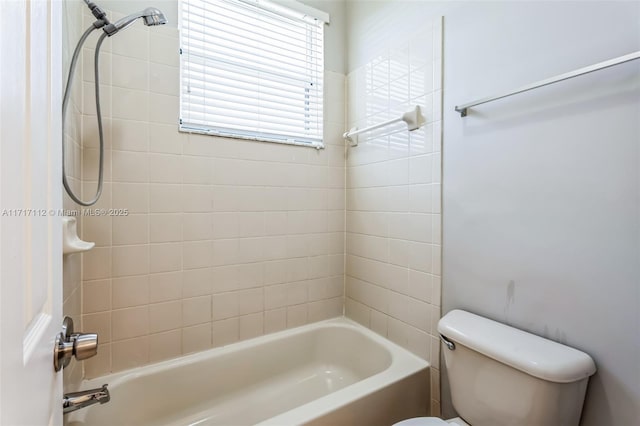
(502, 376)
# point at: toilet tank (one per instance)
(502, 376)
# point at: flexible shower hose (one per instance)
(65, 101)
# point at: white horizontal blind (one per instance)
(251, 69)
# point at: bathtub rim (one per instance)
(403, 364)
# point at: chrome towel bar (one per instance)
(462, 109)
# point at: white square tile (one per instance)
(164, 79)
(225, 332)
(164, 168)
(225, 305)
(129, 353)
(296, 315)
(251, 326)
(128, 135)
(165, 257)
(165, 287)
(165, 316)
(165, 228)
(129, 73)
(197, 338)
(197, 282)
(275, 320)
(129, 322)
(196, 310)
(130, 291)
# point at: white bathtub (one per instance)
(334, 372)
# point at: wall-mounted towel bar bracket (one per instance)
(462, 109)
(412, 117)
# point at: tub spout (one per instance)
(76, 400)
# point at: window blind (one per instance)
(251, 69)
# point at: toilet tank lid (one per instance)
(534, 355)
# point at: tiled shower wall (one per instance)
(393, 218)
(71, 264)
(224, 239)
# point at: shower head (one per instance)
(150, 16)
(153, 16)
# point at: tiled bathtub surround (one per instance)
(225, 239)
(393, 197)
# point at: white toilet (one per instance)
(502, 376)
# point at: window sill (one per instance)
(186, 129)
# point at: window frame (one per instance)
(282, 7)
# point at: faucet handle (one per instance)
(69, 344)
(85, 345)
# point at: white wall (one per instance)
(540, 191)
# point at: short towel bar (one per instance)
(412, 117)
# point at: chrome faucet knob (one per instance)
(85, 345)
(69, 344)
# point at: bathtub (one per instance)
(334, 372)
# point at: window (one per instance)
(252, 69)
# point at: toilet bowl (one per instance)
(432, 421)
(496, 372)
